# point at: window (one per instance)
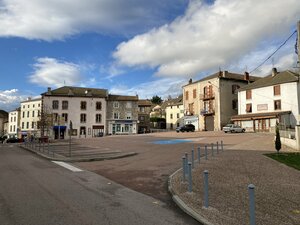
(194, 93)
(82, 131)
(23, 106)
(23, 115)
(276, 90)
(277, 105)
(82, 118)
(248, 94)
(54, 104)
(14, 128)
(55, 117)
(14, 119)
(171, 126)
(65, 105)
(22, 125)
(186, 95)
(141, 118)
(142, 109)
(116, 115)
(65, 116)
(191, 108)
(39, 113)
(32, 125)
(39, 105)
(249, 108)
(128, 105)
(98, 105)
(116, 104)
(177, 115)
(234, 104)
(10, 128)
(32, 113)
(171, 116)
(28, 106)
(235, 87)
(128, 115)
(27, 125)
(33, 106)
(28, 114)
(83, 105)
(98, 118)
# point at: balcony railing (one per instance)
(207, 112)
(207, 96)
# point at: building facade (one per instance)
(82, 109)
(122, 114)
(30, 116)
(144, 111)
(14, 127)
(210, 103)
(174, 113)
(3, 121)
(270, 100)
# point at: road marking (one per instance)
(67, 166)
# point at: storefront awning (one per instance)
(256, 116)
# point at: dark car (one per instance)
(186, 127)
(13, 140)
(3, 138)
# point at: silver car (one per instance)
(232, 128)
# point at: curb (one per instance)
(182, 205)
(65, 159)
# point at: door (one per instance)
(209, 123)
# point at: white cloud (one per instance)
(161, 87)
(209, 36)
(52, 19)
(10, 99)
(52, 72)
(111, 70)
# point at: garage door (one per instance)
(209, 123)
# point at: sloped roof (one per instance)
(122, 98)
(173, 102)
(3, 114)
(228, 76)
(144, 102)
(77, 92)
(32, 100)
(280, 78)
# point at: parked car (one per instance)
(232, 128)
(3, 138)
(186, 127)
(13, 140)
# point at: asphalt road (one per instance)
(34, 191)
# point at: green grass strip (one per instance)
(291, 159)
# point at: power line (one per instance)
(274, 52)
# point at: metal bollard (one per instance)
(212, 149)
(199, 154)
(183, 168)
(193, 158)
(186, 162)
(190, 187)
(217, 147)
(206, 202)
(251, 188)
(222, 149)
(206, 152)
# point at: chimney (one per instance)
(28, 98)
(274, 72)
(246, 76)
(49, 90)
(190, 81)
(225, 73)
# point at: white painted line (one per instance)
(67, 166)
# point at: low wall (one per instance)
(292, 143)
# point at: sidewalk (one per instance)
(277, 192)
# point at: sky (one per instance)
(138, 46)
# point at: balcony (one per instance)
(208, 96)
(207, 112)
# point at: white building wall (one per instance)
(13, 123)
(263, 100)
(30, 116)
(174, 110)
(74, 112)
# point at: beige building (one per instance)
(145, 107)
(84, 107)
(210, 103)
(14, 127)
(174, 113)
(30, 117)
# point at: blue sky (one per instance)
(137, 46)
